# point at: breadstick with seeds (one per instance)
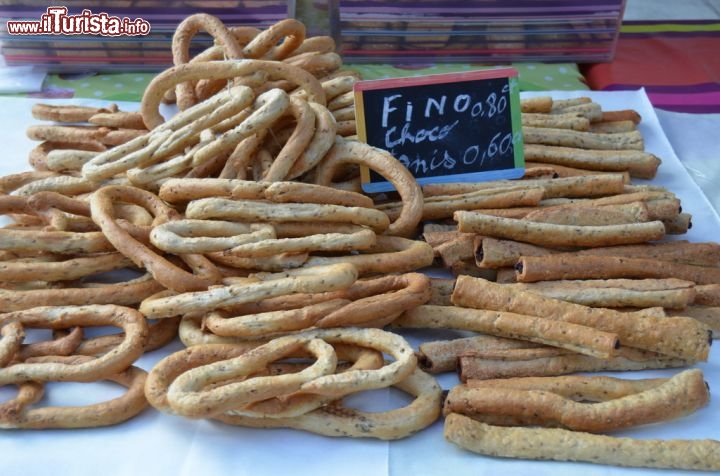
(540, 104)
(589, 216)
(547, 361)
(438, 356)
(677, 336)
(558, 236)
(588, 266)
(578, 338)
(638, 163)
(68, 113)
(560, 121)
(583, 140)
(567, 445)
(707, 294)
(671, 398)
(669, 293)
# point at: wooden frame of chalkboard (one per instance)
(455, 127)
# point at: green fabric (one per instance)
(130, 86)
(532, 76)
(112, 87)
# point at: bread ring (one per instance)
(165, 272)
(226, 70)
(354, 152)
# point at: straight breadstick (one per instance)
(572, 266)
(558, 236)
(638, 163)
(566, 445)
(577, 338)
(584, 140)
(677, 337)
(597, 185)
(662, 400)
(509, 363)
(708, 294)
(442, 355)
(617, 293)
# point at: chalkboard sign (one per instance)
(455, 127)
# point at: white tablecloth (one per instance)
(159, 444)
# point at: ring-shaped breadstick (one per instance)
(316, 279)
(383, 297)
(12, 334)
(131, 321)
(394, 345)
(160, 333)
(62, 343)
(205, 236)
(299, 403)
(320, 144)
(355, 152)
(341, 421)
(128, 293)
(187, 396)
(264, 324)
(222, 70)
(261, 211)
(319, 43)
(27, 393)
(361, 239)
(110, 412)
(183, 35)
(225, 104)
(288, 192)
(391, 254)
(137, 152)
(61, 242)
(65, 270)
(266, 109)
(165, 272)
(303, 132)
(268, 43)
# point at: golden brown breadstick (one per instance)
(558, 236)
(442, 355)
(590, 216)
(442, 206)
(560, 121)
(662, 400)
(669, 293)
(678, 337)
(573, 266)
(622, 115)
(547, 361)
(566, 445)
(638, 163)
(583, 140)
(578, 338)
(68, 113)
(707, 294)
(540, 104)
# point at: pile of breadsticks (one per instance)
(572, 269)
(237, 225)
(218, 226)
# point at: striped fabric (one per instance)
(677, 62)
